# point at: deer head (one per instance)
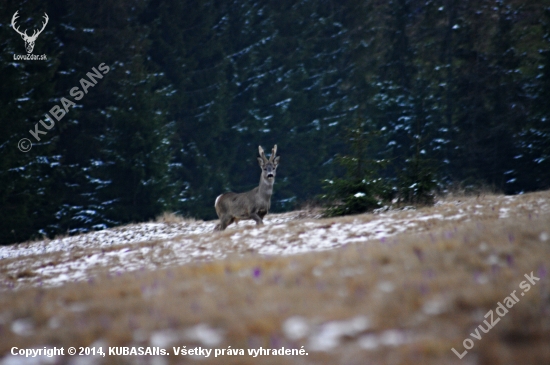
(269, 167)
(29, 40)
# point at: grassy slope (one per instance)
(414, 295)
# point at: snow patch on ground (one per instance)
(157, 245)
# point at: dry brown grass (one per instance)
(434, 285)
(171, 217)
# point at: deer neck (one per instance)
(266, 187)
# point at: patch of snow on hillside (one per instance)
(158, 245)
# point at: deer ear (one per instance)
(276, 160)
(261, 162)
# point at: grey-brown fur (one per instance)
(254, 204)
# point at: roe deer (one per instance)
(254, 204)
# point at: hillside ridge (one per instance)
(155, 245)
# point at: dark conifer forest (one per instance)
(433, 93)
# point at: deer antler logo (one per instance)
(29, 40)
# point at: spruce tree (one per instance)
(361, 188)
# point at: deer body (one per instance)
(254, 204)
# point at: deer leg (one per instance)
(224, 222)
(257, 218)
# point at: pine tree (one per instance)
(27, 199)
(533, 168)
(361, 189)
